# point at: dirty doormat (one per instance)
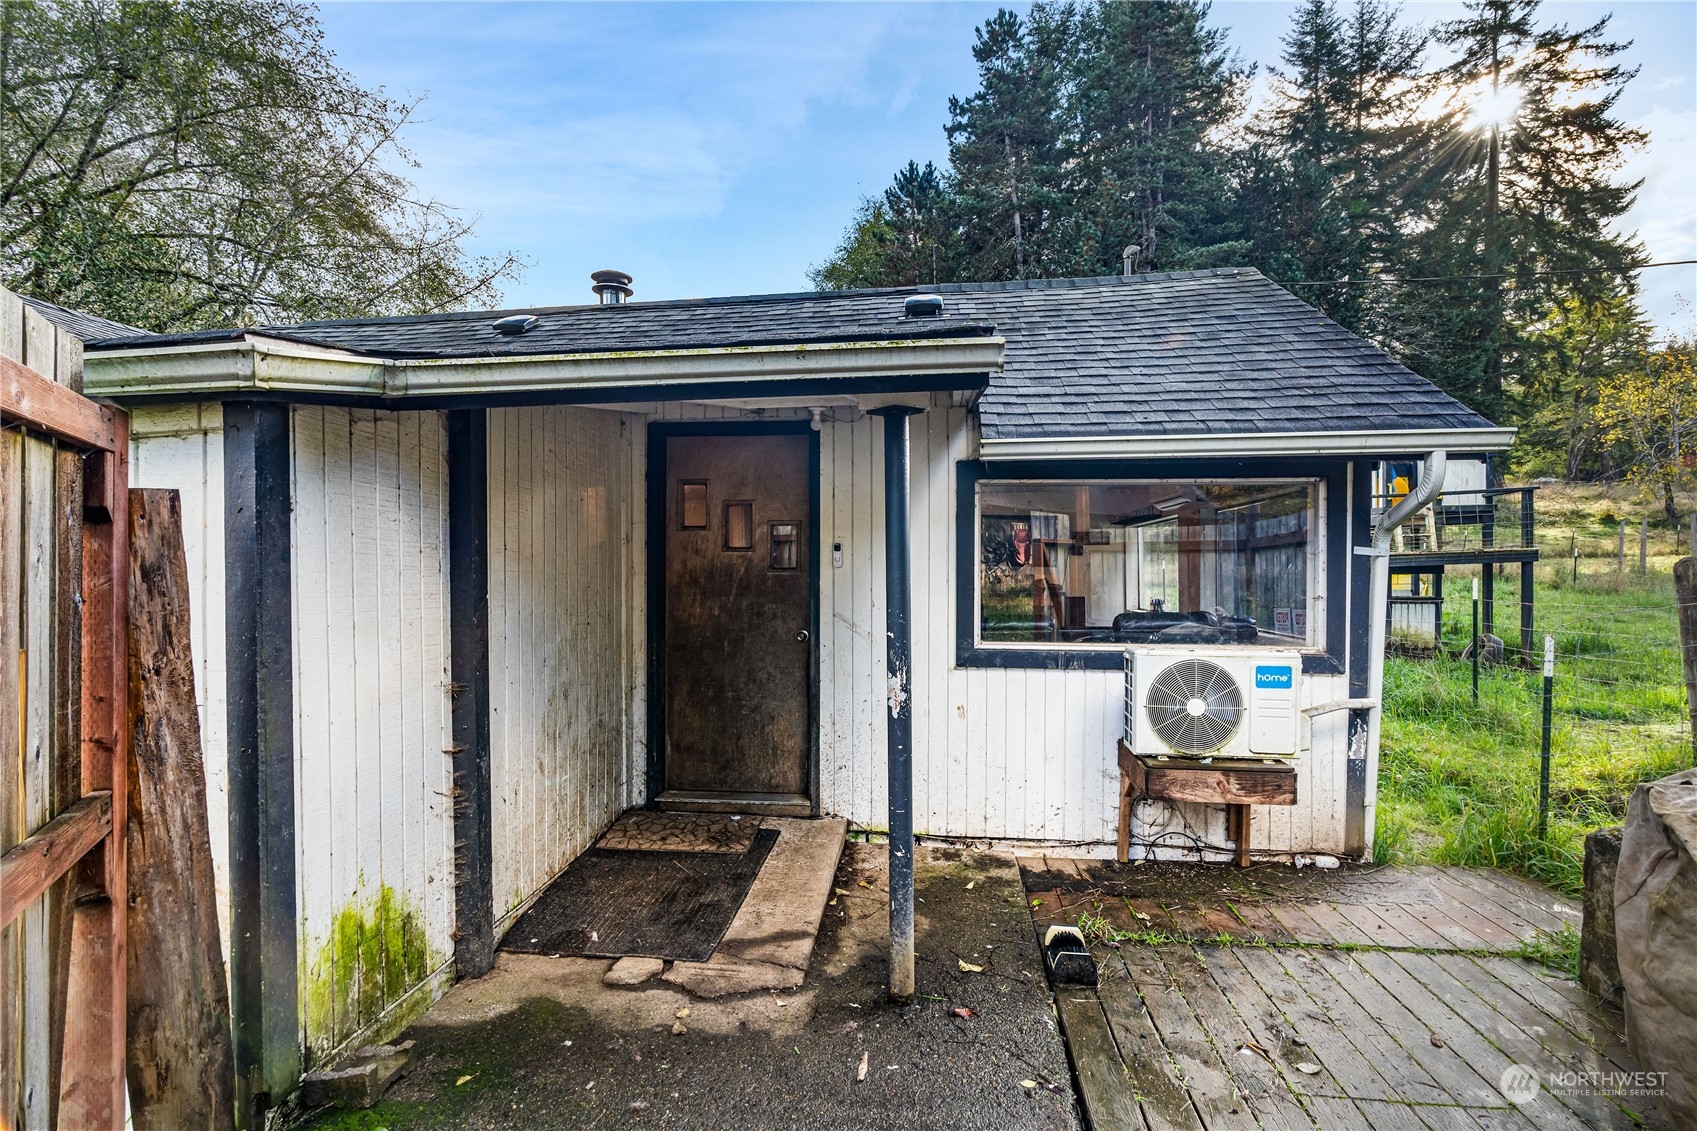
(613, 902)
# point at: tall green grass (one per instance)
(1458, 783)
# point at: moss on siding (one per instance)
(377, 951)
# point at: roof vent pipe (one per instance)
(923, 306)
(1129, 258)
(611, 287)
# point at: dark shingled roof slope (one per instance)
(86, 327)
(1184, 353)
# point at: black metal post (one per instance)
(468, 634)
(1544, 745)
(897, 666)
(260, 722)
(1528, 578)
(1488, 569)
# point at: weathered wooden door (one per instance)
(739, 613)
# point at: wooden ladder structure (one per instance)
(84, 843)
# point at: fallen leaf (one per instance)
(1037, 903)
(969, 968)
(1028, 1083)
(780, 1000)
(866, 885)
(1437, 1041)
(961, 1011)
(840, 891)
(463, 1079)
(1307, 1068)
(860, 1073)
(682, 1013)
(832, 902)
(1252, 1047)
(679, 1028)
(970, 884)
(1141, 916)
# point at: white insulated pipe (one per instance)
(1378, 606)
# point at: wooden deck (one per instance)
(1266, 998)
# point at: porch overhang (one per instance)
(1379, 443)
(257, 365)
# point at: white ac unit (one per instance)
(1213, 703)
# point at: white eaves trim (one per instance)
(1251, 444)
(257, 363)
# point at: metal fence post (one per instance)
(1544, 745)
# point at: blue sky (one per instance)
(713, 149)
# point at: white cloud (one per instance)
(1665, 214)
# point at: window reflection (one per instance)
(1139, 562)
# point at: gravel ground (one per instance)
(541, 1043)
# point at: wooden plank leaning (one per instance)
(33, 866)
(45, 406)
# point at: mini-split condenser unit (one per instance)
(1213, 703)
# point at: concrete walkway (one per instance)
(544, 1043)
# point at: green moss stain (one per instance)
(376, 952)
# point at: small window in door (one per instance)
(692, 504)
(783, 537)
(739, 525)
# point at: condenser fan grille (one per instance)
(1195, 706)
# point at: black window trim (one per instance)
(969, 473)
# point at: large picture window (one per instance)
(1178, 562)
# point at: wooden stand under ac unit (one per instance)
(1236, 783)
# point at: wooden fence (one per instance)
(64, 746)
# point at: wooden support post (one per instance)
(1620, 548)
(1643, 546)
(92, 1089)
(179, 1008)
(468, 617)
(259, 698)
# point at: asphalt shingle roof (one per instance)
(87, 327)
(1218, 351)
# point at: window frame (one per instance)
(1328, 579)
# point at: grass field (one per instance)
(1459, 783)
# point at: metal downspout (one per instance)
(1378, 610)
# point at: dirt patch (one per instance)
(542, 1043)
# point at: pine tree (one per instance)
(1522, 195)
(904, 237)
(1319, 186)
(1155, 90)
(1005, 144)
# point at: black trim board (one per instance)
(1360, 655)
(468, 633)
(968, 474)
(259, 712)
(655, 466)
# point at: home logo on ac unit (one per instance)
(1271, 676)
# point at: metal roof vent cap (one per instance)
(515, 324)
(611, 287)
(923, 306)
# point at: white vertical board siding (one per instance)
(374, 818)
(565, 636)
(1022, 754)
(182, 447)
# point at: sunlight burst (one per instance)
(1487, 107)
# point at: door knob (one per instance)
(802, 636)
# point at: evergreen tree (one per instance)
(1005, 144)
(1522, 195)
(904, 237)
(1320, 185)
(1154, 93)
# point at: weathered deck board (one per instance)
(1388, 1000)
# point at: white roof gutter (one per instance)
(257, 363)
(1216, 444)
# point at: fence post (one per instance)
(1544, 743)
(1620, 549)
(1643, 546)
(1475, 649)
(1685, 599)
(1573, 545)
